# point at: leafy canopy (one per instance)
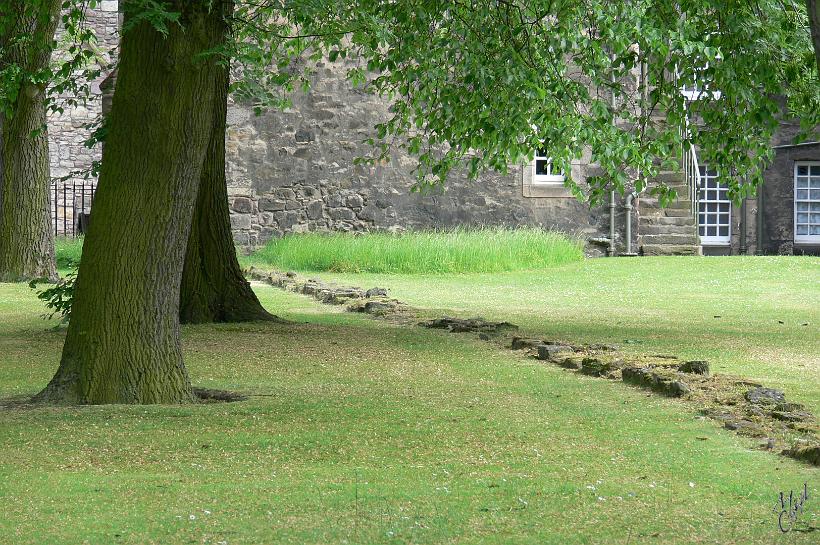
(483, 84)
(487, 83)
(26, 34)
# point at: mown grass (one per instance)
(454, 251)
(68, 251)
(757, 317)
(366, 432)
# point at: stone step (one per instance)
(681, 190)
(666, 220)
(668, 212)
(674, 239)
(670, 177)
(689, 229)
(651, 202)
(670, 249)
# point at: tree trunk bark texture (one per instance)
(813, 7)
(213, 286)
(26, 239)
(122, 344)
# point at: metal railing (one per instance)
(691, 173)
(689, 155)
(689, 160)
(71, 202)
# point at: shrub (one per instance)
(59, 297)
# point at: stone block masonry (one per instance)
(67, 132)
(297, 208)
(293, 171)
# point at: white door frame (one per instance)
(712, 205)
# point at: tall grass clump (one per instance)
(68, 251)
(451, 251)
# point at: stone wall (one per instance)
(293, 171)
(778, 201)
(67, 132)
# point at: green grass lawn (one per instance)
(454, 251)
(366, 432)
(727, 310)
(68, 251)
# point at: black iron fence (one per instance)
(71, 206)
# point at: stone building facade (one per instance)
(68, 131)
(293, 171)
(790, 211)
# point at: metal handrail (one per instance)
(691, 168)
(691, 172)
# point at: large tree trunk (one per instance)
(213, 286)
(26, 239)
(122, 344)
(813, 7)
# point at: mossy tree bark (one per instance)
(813, 7)
(213, 286)
(122, 344)
(26, 239)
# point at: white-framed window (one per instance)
(807, 201)
(543, 172)
(714, 210)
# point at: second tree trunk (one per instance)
(26, 239)
(213, 286)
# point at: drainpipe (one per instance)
(612, 192)
(759, 245)
(612, 223)
(644, 87)
(628, 207)
(743, 248)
